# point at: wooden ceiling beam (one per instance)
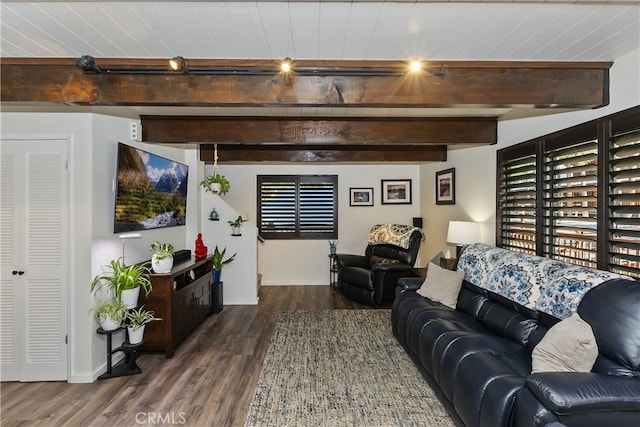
(327, 130)
(320, 154)
(484, 84)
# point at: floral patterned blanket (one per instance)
(543, 284)
(393, 234)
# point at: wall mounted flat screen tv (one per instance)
(151, 191)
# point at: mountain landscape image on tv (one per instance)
(151, 191)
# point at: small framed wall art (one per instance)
(446, 187)
(396, 191)
(361, 197)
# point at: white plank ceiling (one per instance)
(334, 30)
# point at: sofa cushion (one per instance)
(442, 285)
(471, 298)
(434, 322)
(486, 399)
(507, 322)
(569, 346)
(612, 310)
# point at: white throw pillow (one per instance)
(569, 346)
(442, 285)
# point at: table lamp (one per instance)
(126, 237)
(463, 233)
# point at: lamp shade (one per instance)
(463, 232)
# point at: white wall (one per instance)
(92, 164)
(476, 167)
(306, 262)
(239, 276)
(107, 131)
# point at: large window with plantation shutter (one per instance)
(624, 203)
(298, 206)
(574, 195)
(570, 211)
(517, 201)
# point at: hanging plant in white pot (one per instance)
(216, 183)
(162, 258)
(136, 319)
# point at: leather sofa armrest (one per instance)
(575, 392)
(348, 260)
(410, 283)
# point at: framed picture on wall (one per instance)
(361, 196)
(446, 187)
(396, 191)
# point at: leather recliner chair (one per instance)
(371, 278)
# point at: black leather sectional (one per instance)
(477, 357)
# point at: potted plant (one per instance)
(216, 183)
(219, 261)
(136, 319)
(110, 315)
(236, 224)
(162, 258)
(124, 281)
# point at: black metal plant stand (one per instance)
(128, 365)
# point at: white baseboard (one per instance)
(91, 377)
(241, 301)
(82, 378)
(295, 283)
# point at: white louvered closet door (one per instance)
(33, 257)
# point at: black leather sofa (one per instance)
(371, 279)
(477, 357)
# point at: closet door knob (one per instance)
(20, 273)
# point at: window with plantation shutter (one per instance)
(624, 203)
(517, 201)
(574, 195)
(570, 203)
(298, 206)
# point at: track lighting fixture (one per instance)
(415, 65)
(178, 64)
(88, 63)
(285, 66)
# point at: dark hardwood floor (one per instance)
(209, 382)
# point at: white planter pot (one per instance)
(109, 324)
(135, 335)
(216, 188)
(235, 231)
(161, 266)
(130, 297)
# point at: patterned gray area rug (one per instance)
(341, 368)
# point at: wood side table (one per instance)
(448, 263)
(333, 271)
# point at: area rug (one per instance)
(341, 368)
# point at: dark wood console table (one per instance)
(182, 299)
